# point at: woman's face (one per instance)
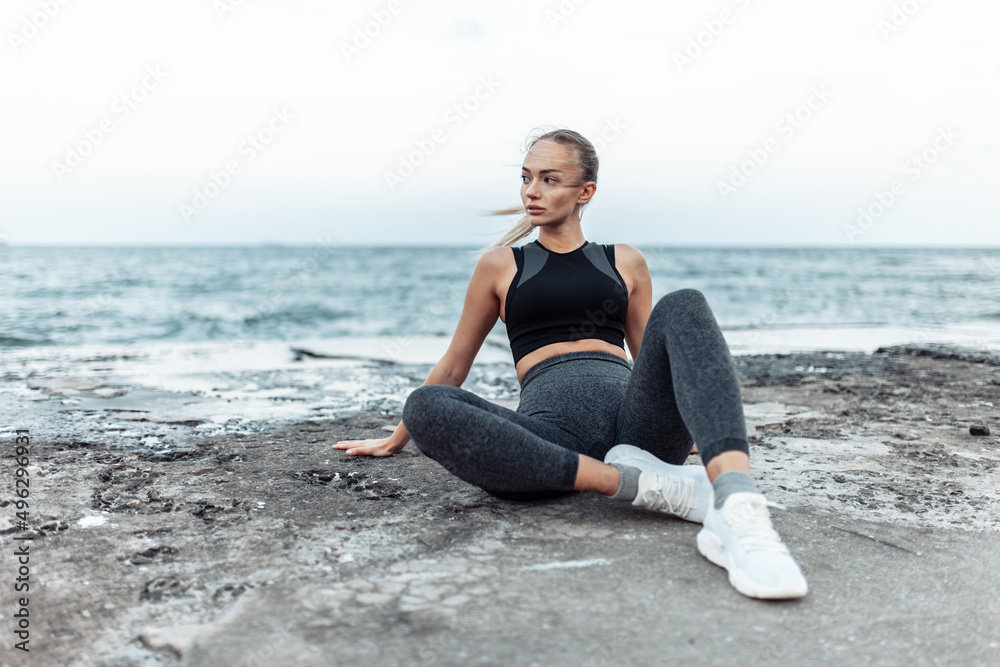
(551, 187)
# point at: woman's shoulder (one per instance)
(496, 259)
(631, 263)
(496, 254)
(625, 253)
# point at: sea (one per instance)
(152, 347)
(796, 298)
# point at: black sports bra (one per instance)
(556, 297)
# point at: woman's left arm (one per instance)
(631, 263)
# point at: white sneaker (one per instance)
(741, 538)
(683, 491)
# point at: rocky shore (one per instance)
(160, 540)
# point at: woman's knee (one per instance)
(423, 404)
(678, 302)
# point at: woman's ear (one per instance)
(587, 193)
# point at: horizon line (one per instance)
(714, 246)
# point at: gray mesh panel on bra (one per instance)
(534, 260)
(595, 253)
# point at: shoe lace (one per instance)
(673, 495)
(750, 522)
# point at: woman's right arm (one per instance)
(479, 314)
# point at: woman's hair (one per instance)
(585, 157)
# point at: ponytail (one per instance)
(518, 231)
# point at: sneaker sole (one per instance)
(711, 548)
(623, 454)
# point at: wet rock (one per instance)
(979, 429)
(203, 509)
(320, 477)
(942, 351)
(63, 446)
(217, 515)
(125, 489)
(165, 588)
(162, 554)
(166, 455)
(53, 526)
(230, 591)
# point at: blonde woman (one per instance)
(588, 420)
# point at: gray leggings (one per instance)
(681, 389)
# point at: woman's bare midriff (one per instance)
(552, 349)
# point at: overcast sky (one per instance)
(735, 122)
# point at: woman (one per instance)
(570, 306)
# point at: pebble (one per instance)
(979, 429)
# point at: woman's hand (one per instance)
(376, 447)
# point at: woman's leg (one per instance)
(683, 386)
(506, 453)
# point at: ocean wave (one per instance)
(302, 313)
(14, 341)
